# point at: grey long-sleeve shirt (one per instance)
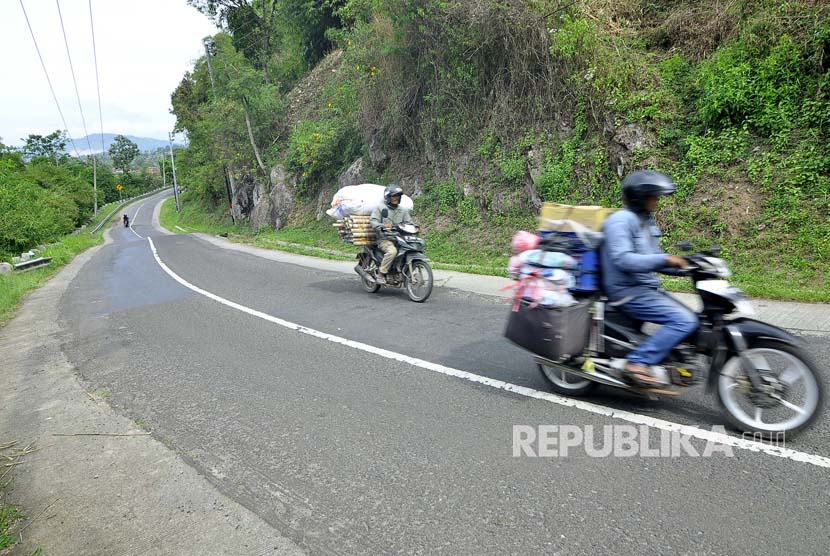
(395, 216)
(630, 254)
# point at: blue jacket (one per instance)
(630, 254)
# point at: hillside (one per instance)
(482, 110)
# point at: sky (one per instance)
(144, 48)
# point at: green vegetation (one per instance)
(490, 108)
(447, 249)
(9, 515)
(122, 152)
(45, 196)
(14, 286)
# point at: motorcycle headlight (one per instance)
(719, 267)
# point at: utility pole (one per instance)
(173, 165)
(228, 179)
(95, 184)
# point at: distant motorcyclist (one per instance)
(630, 254)
(126, 221)
(386, 215)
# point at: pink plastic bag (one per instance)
(523, 241)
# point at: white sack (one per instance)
(361, 200)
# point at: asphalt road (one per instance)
(347, 452)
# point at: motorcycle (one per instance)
(765, 381)
(126, 221)
(410, 269)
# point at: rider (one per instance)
(126, 221)
(630, 254)
(381, 223)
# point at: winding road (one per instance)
(366, 424)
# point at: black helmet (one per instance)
(645, 183)
(391, 191)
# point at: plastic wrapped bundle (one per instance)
(524, 241)
(549, 259)
(360, 200)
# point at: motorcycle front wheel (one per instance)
(792, 395)
(419, 282)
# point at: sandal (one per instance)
(641, 375)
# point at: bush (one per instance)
(318, 149)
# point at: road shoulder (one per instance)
(90, 491)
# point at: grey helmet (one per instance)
(390, 191)
(645, 183)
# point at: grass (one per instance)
(9, 515)
(15, 285)
(457, 247)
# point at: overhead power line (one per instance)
(74, 81)
(49, 81)
(100, 112)
(97, 81)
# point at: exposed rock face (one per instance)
(377, 156)
(243, 199)
(281, 197)
(261, 214)
(266, 204)
(412, 186)
(323, 203)
(352, 176)
(533, 170)
(625, 141)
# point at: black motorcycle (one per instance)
(410, 269)
(765, 381)
(126, 221)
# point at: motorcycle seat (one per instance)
(615, 316)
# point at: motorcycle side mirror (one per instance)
(384, 213)
(685, 246)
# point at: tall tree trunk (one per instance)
(251, 136)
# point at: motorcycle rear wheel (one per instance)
(369, 285)
(566, 383)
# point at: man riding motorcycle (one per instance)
(630, 254)
(381, 223)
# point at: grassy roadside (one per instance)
(10, 515)
(317, 239)
(449, 250)
(14, 286)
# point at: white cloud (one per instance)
(144, 48)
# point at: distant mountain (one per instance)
(145, 144)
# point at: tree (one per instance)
(51, 146)
(123, 152)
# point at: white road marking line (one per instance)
(133, 221)
(688, 430)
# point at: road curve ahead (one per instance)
(366, 424)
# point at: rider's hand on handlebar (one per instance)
(678, 262)
(388, 225)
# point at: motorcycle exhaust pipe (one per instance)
(362, 273)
